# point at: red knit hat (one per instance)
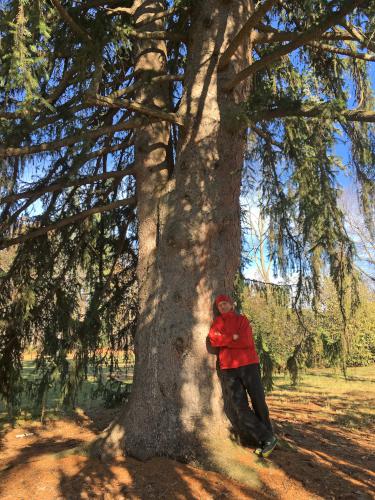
(223, 298)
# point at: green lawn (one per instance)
(350, 402)
(88, 397)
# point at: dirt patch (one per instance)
(316, 459)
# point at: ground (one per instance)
(327, 451)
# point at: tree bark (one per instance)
(189, 251)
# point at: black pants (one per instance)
(243, 381)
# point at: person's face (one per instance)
(224, 307)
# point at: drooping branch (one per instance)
(266, 283)
(71, 22)
(308, 111)
(68, 141)
(135, 106)
(310, 35)
(65, 183)
(244, 32)
(6, 243)
(56, 92)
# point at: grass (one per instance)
(87, 399)
(350, 402)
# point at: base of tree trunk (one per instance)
(217, 450)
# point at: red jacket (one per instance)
(233, 353)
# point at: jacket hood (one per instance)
(223, 298)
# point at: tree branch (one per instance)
(358, 35)
(344, 52)
(6, 243)
(65, 183)
(360, 115)
(120, 10)
(150, 18)
(311, 34)
(91, 4)
(157, 35)
(142, 83)
(135, 106)
(266, 136)
(110, 149)
(70, 21)
(68, 141)
(55, 94)
(266, 34)
(253, 20)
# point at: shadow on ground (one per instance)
(316, 458)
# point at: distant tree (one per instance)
(141, 111)
(358, 334)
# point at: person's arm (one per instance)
(243, 338)
(217, 338)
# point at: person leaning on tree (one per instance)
(239, 365)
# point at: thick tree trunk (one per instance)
(189, 250)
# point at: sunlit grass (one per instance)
(350, 401)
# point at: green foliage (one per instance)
(113, 392)
(68, 304)
(358, 331)
(286, 345)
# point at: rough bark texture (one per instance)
(189, 248)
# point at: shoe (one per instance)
(258, 452)
(268, 447)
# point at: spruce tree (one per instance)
(138, 120)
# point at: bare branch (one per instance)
(64, 183)
(135, 106)
(70, 21)
(360, 115)
(310, 35)
(68, 141)
(6, 243)
(253, 20)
